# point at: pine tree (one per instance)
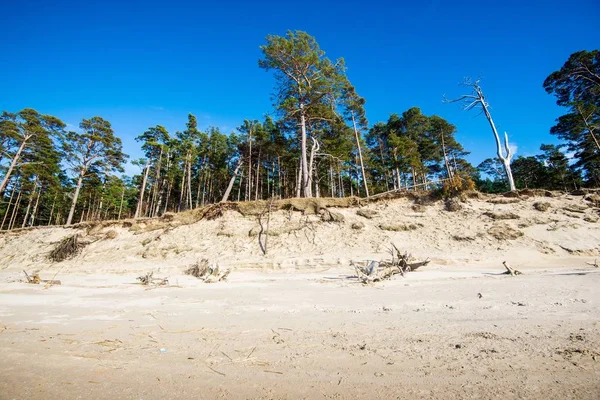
(95, 150)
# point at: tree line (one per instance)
(318, 143)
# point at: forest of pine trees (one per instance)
(319, 145)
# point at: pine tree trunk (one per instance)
(75, 197)
(182, 191)
(169, 187)
(52, 209)
(83, 210)
(13, 164)
(299, 180)
(362, 166)
(138, 209)
(189, 181)
(121, 205)
(12, 193)
(280, 186)
(33, 192)
(35, 207)
(331, 184)
(249, 183)
(231, 182)
(257, 174)
(240, 187)
(198, 189)
(157, 186)
(15, 212)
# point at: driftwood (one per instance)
(206, 272)
(149, 279)
(35, 279)
(376, 271)
(510, 271)
(594, 264)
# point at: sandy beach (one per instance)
(440, 333)
(296, 323)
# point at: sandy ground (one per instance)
(291, 324)
(439, 333)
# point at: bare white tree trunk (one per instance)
(478, 99)
(306, 178)
(446, 162)
(360, 157)
(504, 158)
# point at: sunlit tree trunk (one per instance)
(362, 166)
(75, 197)
(13, 164)
(52, 209)
(30, 202)
(12, 194)
(15, 211)
(231, 182)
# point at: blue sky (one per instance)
(138, 64)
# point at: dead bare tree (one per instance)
(477, 100)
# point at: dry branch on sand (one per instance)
(376, 271)
(510, 271)
(206, 272)
(150, 280)
(594, 264)
(35, 279)
(67, 248)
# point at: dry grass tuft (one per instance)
(502, 231)
(501, 215)
(112, 234)
(541, 206)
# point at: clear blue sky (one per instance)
(144, 63)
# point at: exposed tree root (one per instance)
(376, 271)
(67, 248)
(206, 272)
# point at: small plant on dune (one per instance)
(456, 185)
